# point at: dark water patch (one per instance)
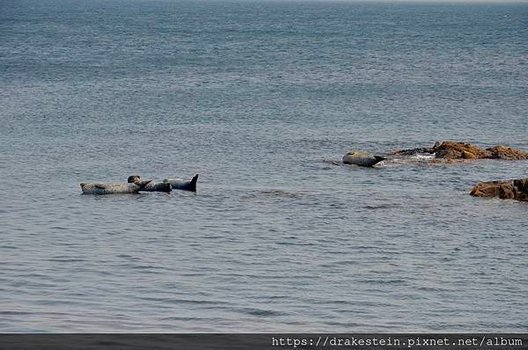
(340, 263)
(296, 243)
(15, 313)
(148, 269)
(277, 193)
(332, 162)
(271, 297)
(9, 247)
(66, 259)
(128, 257)
(189, 319)
(258, 312)
(383, 281)
(383, 206)
(178, 301)
(59, 228)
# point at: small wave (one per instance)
(382, 206)
(282, 193)
(15, 313)
(66, 259)
(276, 193)
(332, 162)
(260, 312)
(58, 228)
(420, 157)
(423, 157)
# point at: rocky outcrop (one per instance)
(503, 152)
(510, 189)
(459, 150)
(452, 150)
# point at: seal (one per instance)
(361, 158)
(150, 186)
(182, 184)
(114, 188)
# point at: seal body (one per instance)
(361, 158)
(109, 188)
(181, 184)
(134, 185)
(149, 185)
(157, 187)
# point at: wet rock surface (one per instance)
(452, 150)
(509, 189)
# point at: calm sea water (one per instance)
(259, 98)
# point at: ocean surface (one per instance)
(262, 99)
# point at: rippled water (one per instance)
(261, 99)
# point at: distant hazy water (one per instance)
(259, 98)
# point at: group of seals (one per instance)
(446, 149)
(167, 184)
(135, 185)
(151, 186)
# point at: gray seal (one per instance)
(362, 158)
(181, 184)
(150, 186)
(114, 188)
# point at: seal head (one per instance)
(136, 179)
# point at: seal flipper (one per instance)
(192, 185)
(379, 159)
(143, 183)
(99, 186)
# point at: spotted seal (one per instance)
(181, 184)
(361, 158)
(150, 186)
(114, 188)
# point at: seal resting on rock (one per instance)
(510, 189)
(114, 188)
(361, 158)
(151, 186)
(181, 184)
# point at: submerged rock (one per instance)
(509, 189)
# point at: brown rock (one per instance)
(503, 152)
(459, 150)
(468, 155)
(521, 184)
(506, 191)
(486, 189)
(510, 189)
(451, 150)
(522, 189)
